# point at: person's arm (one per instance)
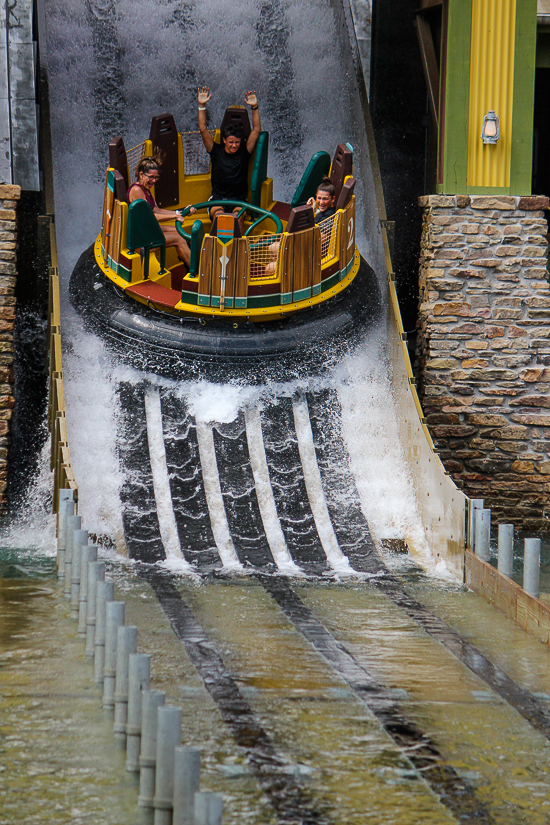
(169, 214)
(204, 96)
(251, 99)
(137, 193)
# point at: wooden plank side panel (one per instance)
(219, 250)
(287, 268)
(533, 617)
(347, 235)
(350, 230)
(108, 204)
(216, 271)
(116, 230)
(316, 262)
(303, 262)
(509, 598)
(205, 270)
(242, 271)
(506, 596)
(231, 252)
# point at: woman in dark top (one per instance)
(147, 174)
(230, 157)
(324, 201)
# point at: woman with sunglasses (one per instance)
(147, 174)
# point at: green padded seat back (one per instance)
(143, 228)
(316, 170)
(259, 168)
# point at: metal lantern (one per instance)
(490, 131)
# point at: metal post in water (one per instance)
(139, 666)
(482, 532)
(506, 549)
(114, 618)
(475, 504)
(126, 644)
(80, 539)
(88, 554)
(187, 769)
(71, 523)
(96, 573)
(531, 567)
(152, 700)
(66, 508)
(168, 738)
(208, 808)
(105, 592)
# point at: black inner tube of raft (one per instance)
(182, 347)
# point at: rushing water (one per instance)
(358, 689)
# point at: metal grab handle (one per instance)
(244, 207)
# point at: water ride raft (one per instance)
(283, 285)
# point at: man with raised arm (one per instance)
(230, 157)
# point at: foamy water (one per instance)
(232, 50)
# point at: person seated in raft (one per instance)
(230, 157)
(324, 208)
(147, 174)
(323, 204)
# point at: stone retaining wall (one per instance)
(484, 349)
(9, 195)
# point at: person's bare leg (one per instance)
(173, 238)
(241, 219)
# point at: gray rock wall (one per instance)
(484, 348)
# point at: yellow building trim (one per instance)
(491, 87)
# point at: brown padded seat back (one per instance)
(164, 136)
(346, 193)
(236, 230)
(121, 190)
(300, 218)
(237, 114)
(118, 159)
(342, 166)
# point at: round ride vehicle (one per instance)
(278, 286)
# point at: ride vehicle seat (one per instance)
(342, 166)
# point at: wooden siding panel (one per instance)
(108, 206)
(303, 250)
(242, 271)
(116, 234)
(509, 598)
(287, 268)
(205, 270)
(316, 262)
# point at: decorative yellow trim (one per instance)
(491, 87)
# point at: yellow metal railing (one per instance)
(57, 423)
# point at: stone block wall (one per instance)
(484, 349)
(9, 195)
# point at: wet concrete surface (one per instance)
(291, 689)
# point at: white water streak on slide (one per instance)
(264, 495)
(312, 476)
(161, 482)
(214, 498)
